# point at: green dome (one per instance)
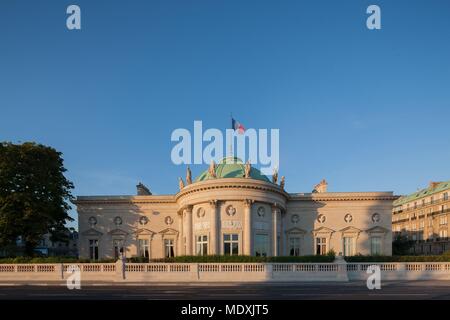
(235, 168)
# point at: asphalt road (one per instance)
(214, 291)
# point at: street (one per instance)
(219, 291)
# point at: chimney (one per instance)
(142, 190)
(433, 184)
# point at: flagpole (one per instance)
(230, 146)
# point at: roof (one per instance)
(232, 167)
(441, 186)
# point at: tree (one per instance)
(401, 245)
(34, 194)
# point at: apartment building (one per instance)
(423, 218)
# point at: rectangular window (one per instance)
(445, 196)
(349, 246)
(375, 246)
(231, 244)
(202, 245)
(169, 249)
(321, 246)
(422, 225)
(261, 245)
(144, 248)
(93, 249)
(294, 246)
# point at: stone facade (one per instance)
(422, 217)
(235, 215)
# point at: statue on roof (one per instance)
(275, 175)
(212, 169)
(188, 176)
(180, 183)
(282, 182)
(248, 168)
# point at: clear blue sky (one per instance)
(367, 110)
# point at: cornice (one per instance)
(230, 183)
(168, 199)
(343, 196)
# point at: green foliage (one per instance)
(331, 253)
(236, 259)
(137, 260)
(439, 258)
(50, 260)
(34, 194)
(401, 245)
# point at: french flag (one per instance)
(237, 126)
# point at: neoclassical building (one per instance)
(233, 209)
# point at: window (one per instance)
(443, 233)
(349, 246)
(294, 246)
(422, 225)
(118, 248)
(144, 248)
(231, 244)
(202, 245)
(321, 246)
(93, 249)
(442, 220)
(169, 250)
(445, 196)
(375, 246)
(261, 245)
(430, 222)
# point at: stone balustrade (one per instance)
(223, 272)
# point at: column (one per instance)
(275, 211)
(247, 227)
(188, 231)
(282, 236)
(215, 232)
(180, 250)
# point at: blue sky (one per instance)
(367, 110)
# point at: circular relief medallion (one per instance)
(321, 218)
(261, 211)
(117, 221)
(92, 221)
(168, 220)
(348, 218)
(295, 218)
(200, 212)
(231, 211)
(143, 220)
(376, 217)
